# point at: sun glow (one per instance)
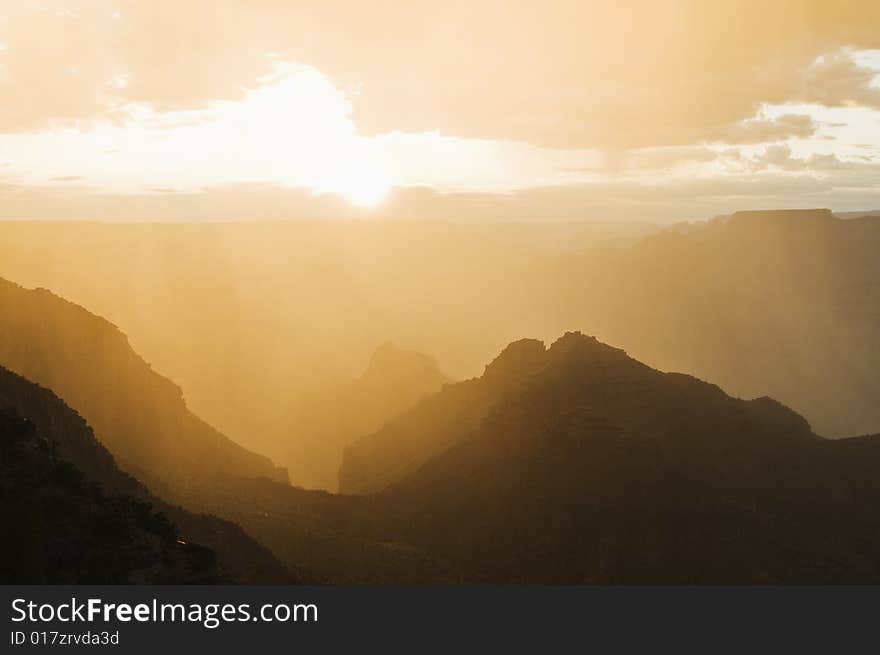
(293, 128)
(364, 188)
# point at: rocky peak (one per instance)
(575, 348)
(517, 361)
(390, 362)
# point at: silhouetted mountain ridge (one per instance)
(777, 303)
(516, 362)
(138, 414)
(569, 464)
(438, 422)
(212, 476)
(60, 529)
(597, 468)
(74, 517)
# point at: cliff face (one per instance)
(45, 441)
(138, 414)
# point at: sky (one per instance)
(555, 110)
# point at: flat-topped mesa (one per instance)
(781, 217)
(389, 362)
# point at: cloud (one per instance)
(780, 156)
(763, 130)
(564, 73)
(599, 74)
(836, 80)
(651, 159)
(625, 200)
(67, 178)
(83, 60)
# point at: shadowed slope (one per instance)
(183, 461)
(251, 318)
(73, 517)
(571, 464)
(438, 421)
(138, 414)
(584, 465)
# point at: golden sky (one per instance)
(665, 110)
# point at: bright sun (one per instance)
(364, 188)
